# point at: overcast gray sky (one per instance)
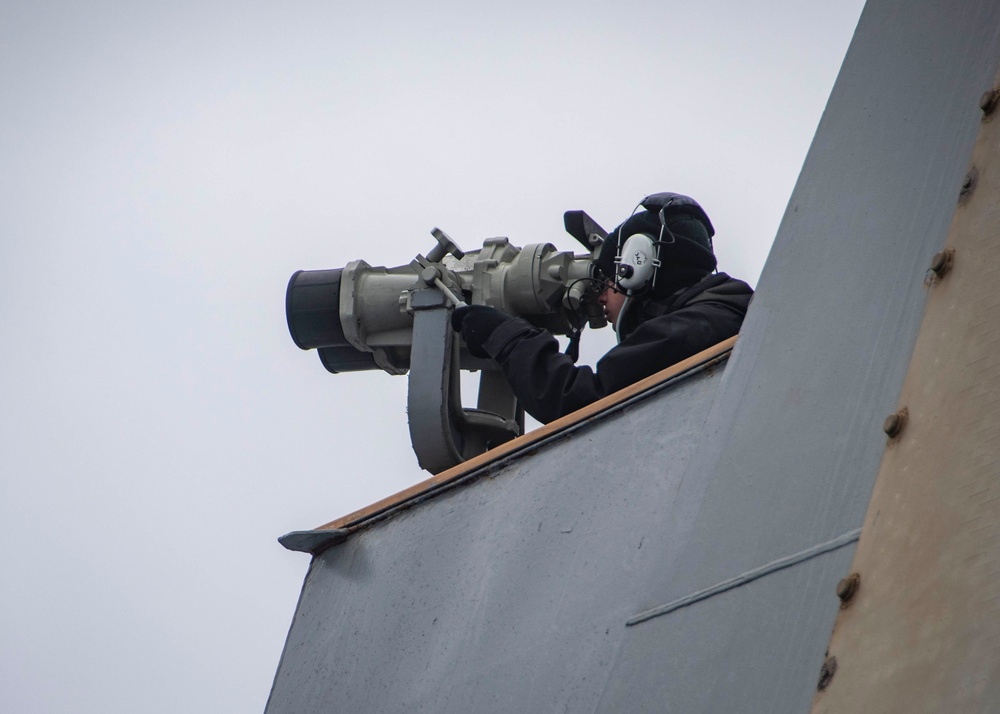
(165, 167)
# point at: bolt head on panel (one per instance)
(847, 588)
(895, 422)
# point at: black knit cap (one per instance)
(686, 257)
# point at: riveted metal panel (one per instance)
(922, 634)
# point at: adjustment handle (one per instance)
(445, 246)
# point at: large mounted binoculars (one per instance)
(361, 317)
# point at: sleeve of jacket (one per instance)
(549, 385)
(545, 381)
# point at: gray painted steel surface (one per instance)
(509, 594)
(513, 592)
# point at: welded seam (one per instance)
(749, 576)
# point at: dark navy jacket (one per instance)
(669, 330)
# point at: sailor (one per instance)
(661, 293)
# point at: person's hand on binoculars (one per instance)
(476, 323)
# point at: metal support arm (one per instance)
(444, 433)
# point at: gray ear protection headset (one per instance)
(638, 259)
(637, 263)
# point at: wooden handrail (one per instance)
(525, 441)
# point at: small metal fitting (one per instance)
(988, 102)
(895, 423)
(942, 261)
(429, 274)
(969, 184)
(826, 673)
(847, 588)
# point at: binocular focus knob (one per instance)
(445, 246)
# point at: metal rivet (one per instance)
(847, 588)
(969, 183)
(894, 423)
(826, 673)
(988, 101)
(941, 262)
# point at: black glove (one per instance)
(477, 323)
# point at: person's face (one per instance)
(611, 301)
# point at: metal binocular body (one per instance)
(361, 317)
